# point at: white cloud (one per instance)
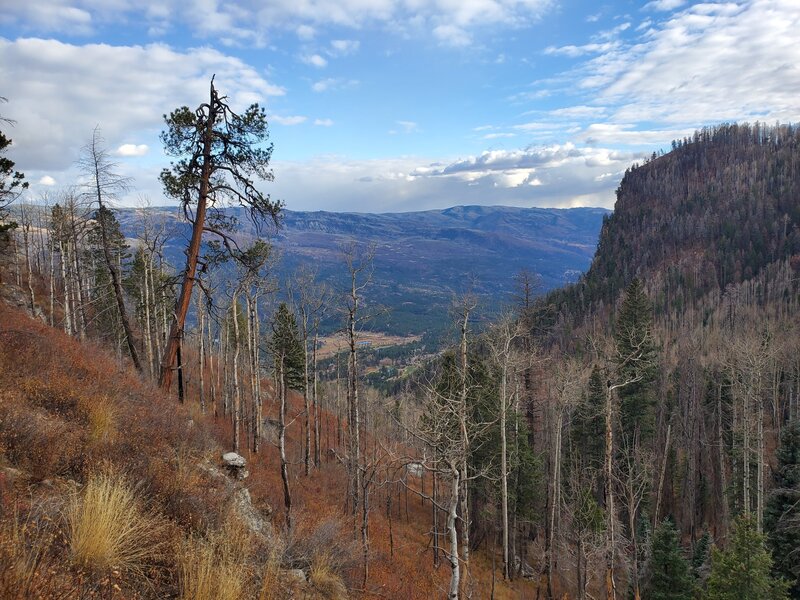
(664, 5)
(315, 60)
(576, 51)
(47, 181)
(332, 83)
(344, 47)
(288, 121)
(132, 150)
(247, 22)
(323, 122)
(578, 112)
(408, 126)
(709, 63)
(98, 84)
(452, 35)
(514, 178)
(51, 16)
(494, 136)
(305, 32)
(534, 126)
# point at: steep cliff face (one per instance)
(720, 209)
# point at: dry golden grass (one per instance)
(327, 583)
(107, 527)
(20, 561)
(216, 567)
(270, 577)
(102, 416)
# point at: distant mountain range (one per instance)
(423, 258)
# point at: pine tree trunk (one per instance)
(192, 253)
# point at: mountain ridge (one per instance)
(423, 258)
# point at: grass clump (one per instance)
(327, 582)
(215, 567)
(108, 528)
(102, 419)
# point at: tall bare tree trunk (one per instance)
(287, 495)
(237, 415)
(201, 354)
(462, 417)
(746, 487)
(611, 586)
(354, 421)
(504, 468)
(67, 310)
(315, 399)
(662, 474)
(760, 464)
(452, 532)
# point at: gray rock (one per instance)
(235, 464)
(231, 459)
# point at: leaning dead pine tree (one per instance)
(219, 154)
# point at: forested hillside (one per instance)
(686, 327)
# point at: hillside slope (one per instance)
(686, 328)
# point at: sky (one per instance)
(396, 105)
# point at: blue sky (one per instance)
(394, 105)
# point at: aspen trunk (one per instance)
(306, 399)
(504, 469)
(236, 395)
(662, 474)
(315, 400)
(287, 496)
(452, 532)
(464, 451)
(65, 280)
(201, 355)
(611, 587)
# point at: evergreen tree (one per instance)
(782, 511)
(700, 556)
(743, 569)
(587, 430)
(634, 338)
(12, 182)
(287, 347)
(670, 578)
(219, 156)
